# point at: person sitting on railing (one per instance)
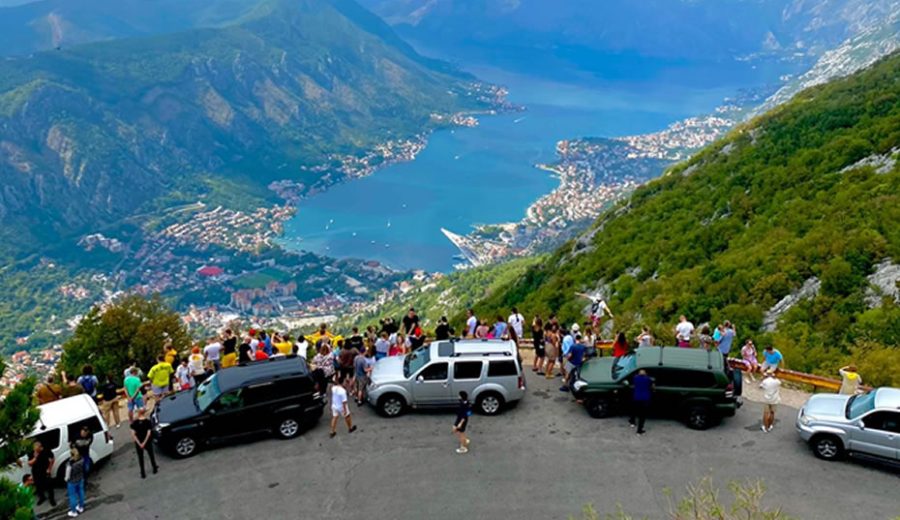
(850, 380)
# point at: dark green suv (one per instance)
(694, 384)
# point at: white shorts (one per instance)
(339, 412)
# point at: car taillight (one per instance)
(521, 382)
(729, 390)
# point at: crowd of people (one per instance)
(342, 367)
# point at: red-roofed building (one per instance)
(210, 271)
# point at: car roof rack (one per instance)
(661, 349)
(709, 359)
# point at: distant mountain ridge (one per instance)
(95, 132)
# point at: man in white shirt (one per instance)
(683, 331)
(771, 387)
(212, 352)
(339, 406)
(517, 322)
(302, 347)
(471, 323)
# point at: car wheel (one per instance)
(287, 428)
(391, 405)
(827, 447)
(490, 403)
(185, 447)
(599, 408)
(699, 418)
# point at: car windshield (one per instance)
(623, 366)
(860, 404)
(416, 360)
(207, 392)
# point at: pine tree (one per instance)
(18, 414)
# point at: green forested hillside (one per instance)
(785, 199)
(93, 133)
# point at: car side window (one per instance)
(466, 370)
(230, 401)
(435, 372)
(49, 439)
(93, 424)
(502, 368)
(258, 394)
(883, 421)
(684, 378)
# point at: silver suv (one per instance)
(867, 423)
(433, 375)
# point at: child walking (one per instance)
(463, 412)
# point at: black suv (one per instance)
(694, 384)
(276, 395)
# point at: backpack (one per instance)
(89, 383)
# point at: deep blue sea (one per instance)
(486, 174)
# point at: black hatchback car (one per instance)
(277, 395)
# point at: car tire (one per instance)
(184, 447)
(599, 407)
(288, 427)
(391, 405)
(699, 418)
(490, 403)
(827, 447)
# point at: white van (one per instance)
(60, 423)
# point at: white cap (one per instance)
(575, 327)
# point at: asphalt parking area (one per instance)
(543, 459)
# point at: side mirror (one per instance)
(862, 425)
(212, 410)
(420, 379)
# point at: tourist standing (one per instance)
(324, 361)
(89, 381)
(302, 347)
(644, 339)
(399, 346)
(109, 402)
(160, 376)
(133, 395)
(500, 328)
(410, 321)
(229, 349)
(41, 463)
(76, 470)
(551, 344)
(568, 340)
(706, 340)
(463, 412)
(771, 398)
(184, 375)
(683, 332)
(471, 323)
(195, 361)
(382, 346)
(726, 341)
(851, 381)
(48, 391)
(340, 407)
(640, 401)
(83, 445)
(213, 352)
(537, 337)
(443, 330)
(360, 375)
(620, 346)
(517, 322)
(143, 442)
(482, 331)
(245, 351)
(574, 361)
(750, 359)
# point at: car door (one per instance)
(877, 433)
(466, 377)
(226, 417)
(431, 386)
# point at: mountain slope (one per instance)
(92, 133)
(789, 224)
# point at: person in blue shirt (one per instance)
(726, 340)
(500, 328)
(574, 360)
(643, 389)
(772, 359)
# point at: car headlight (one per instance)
(806, 419)
(160, 426)
(579, 384)
(372, 386)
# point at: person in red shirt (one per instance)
(261, 354)
(620, 347)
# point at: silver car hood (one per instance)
(388, 370)
(827, 405)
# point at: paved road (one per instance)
(542, 460)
